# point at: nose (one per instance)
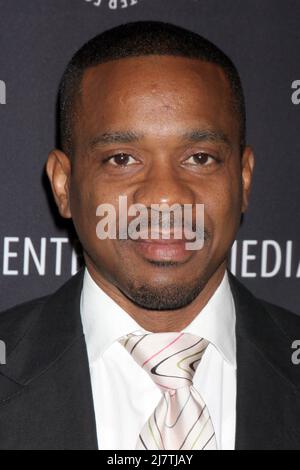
(163, 185)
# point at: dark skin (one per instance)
(161, 99)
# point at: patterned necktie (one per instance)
(181, 420)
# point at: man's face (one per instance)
(173, 122)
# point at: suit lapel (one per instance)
(267, 381)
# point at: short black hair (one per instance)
(136, 39)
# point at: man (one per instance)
(154, 113)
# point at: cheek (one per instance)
(83, 203)
(223, 207)
(85, 198)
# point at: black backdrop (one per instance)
(38, 37)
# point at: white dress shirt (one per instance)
(125, 396)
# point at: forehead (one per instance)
(138, 90)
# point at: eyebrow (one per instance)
(199, 135)
(122, 137)
(126, 137)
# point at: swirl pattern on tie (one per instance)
(181, 420)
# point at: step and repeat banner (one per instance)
(38, 250)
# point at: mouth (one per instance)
(172, 250)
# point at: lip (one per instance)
(163, 250)
(163, 241)
(171, 237)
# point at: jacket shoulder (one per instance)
(16, 321)
(257, 311)
(24, 309)
(288, 321)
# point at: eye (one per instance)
(120, 159)
(201, 159)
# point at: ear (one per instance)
(58, 169)
(247, 172)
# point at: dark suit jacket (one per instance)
(45, 389)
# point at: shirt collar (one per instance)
(104, 321)
(216, 322)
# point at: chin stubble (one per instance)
(170, 297)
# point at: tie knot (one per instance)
(169, 358)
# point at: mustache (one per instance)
(168, 224)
